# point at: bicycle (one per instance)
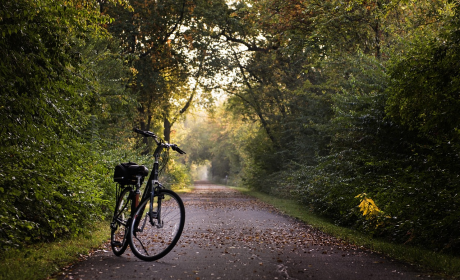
(153, 225)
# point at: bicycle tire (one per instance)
(149, 241)
(121, 220)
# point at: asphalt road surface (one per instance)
(231, 236)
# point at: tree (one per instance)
(47, 186)
(158, 35)
(423, 98)
(313, 74)
(425, 89)
(218, 139)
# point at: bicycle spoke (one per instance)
(119, 232)
(143, 247)
(164, 208)
(160, 236)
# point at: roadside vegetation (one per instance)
(362, 129)
(349, 108)
(426, 260)
(41, 261)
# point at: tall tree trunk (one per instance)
(167, 128)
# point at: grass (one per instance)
(445, 265)
(46, 259)
(184, 190)
(43, 260)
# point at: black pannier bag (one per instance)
(125, 173)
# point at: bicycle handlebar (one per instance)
(151, 134)
(145, 133)
(177, 149)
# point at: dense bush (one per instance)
(361, 156)
(53, 178)
(364, 128)
(411, 177)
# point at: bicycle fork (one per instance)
(152, 214)
(154, 217)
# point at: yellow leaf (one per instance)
(368, 207)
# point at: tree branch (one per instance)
(168, 34)
(250, 46)
(255, 106)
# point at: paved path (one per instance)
(231, 236)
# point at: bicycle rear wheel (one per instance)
(120, 222)
(153, 238)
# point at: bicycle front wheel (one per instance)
(154, 232)
(120, 222)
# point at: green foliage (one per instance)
(50, 170)
(423, 97)
(410, 178)
(106, 73)
(424, 92)
(434, 262)
(262, 161)
(216, 139)
(329, 100)
(161, 36)
(41, 261)
(176, 176)
(355, 97)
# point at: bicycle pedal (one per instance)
(116, 244)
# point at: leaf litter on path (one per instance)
(232, 236)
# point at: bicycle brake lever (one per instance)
(177, 149)
(145, 133)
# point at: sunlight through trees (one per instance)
(319, 101)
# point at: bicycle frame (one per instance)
(153, 178)
(140, 222)
(152, 185)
